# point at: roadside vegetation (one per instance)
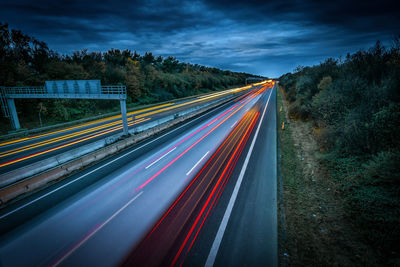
(25, 61)
(351, 109)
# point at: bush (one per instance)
(324, 83)
(299, 110)
(375, 201)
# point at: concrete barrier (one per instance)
(36, 175)
(43, 165)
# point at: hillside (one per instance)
(353, 109)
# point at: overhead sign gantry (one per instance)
(76, 89)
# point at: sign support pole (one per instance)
(13, 113)
(124, 118)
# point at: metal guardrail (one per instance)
(113, 89)
(26, 90)
(34, 91)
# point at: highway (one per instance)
(24, 151)
(163, 201)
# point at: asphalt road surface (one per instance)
(176, 186)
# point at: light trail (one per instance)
(79, 126)
(94, 231)
(61, 138)
(60, 147)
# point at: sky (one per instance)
(267, 38)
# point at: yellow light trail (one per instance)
(65, 145)
(61, 138)
(236, 90)
(159, 109)
(81, 125)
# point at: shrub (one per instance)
(299, 110)
(325, 83)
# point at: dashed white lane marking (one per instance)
(157, 160)
(195, 165)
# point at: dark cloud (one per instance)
(358, 15)
(262, 37)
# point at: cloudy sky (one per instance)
(261, 37)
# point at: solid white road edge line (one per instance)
(195, 165)
(97, 229)
(221, 230)
(157, 160)
(98, 168)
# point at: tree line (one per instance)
(354, 107)
(26, 61)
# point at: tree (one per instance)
(133, 75)
(148, 58)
